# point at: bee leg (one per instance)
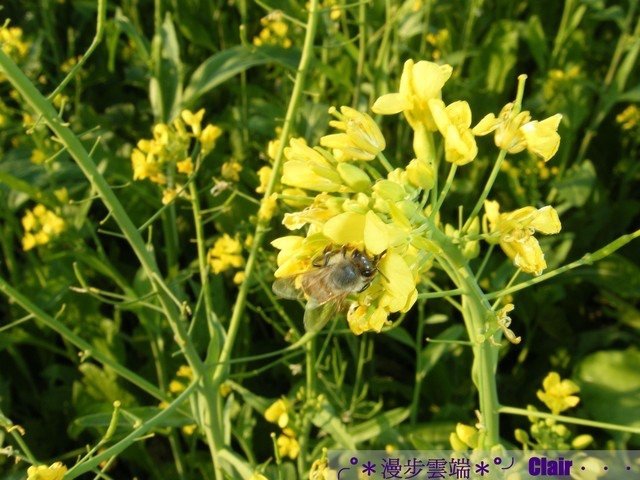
(324, 260)
(364, 287)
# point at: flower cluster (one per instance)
(350, 203)
(40, 226)
(166, 156)
(287, 443)
(12, 43)
(55, 471)
(274, 31)
(514, 232)
(226, 254)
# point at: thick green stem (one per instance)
(238, 308)
(476, 311)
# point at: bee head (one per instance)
(366, 266)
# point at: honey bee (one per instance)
(337, 274)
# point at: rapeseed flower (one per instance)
(40, 227)
(278, 412)
(55, 471)
(454, 123)
(361, 140)
(226, 254)
(514, 232)
(515, 132)
(12, 43)
(288, 445)
(274, 31)
(168, 153)
(419, 83)
(558, 395)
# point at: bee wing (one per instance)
(286, 288)
(316, 315)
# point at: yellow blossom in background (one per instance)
(278, 412)
(420, 82)
(274, 32)
(464, 437)
(514, 231)
(68, 64)
(208, 138)
(184, 376)
(516, 132)
(185, 166)
(225, 254)
(440, 42)
(558, 395)
(239, 278)
(40, 226)
(55, 471)
(169, 195)
(264, 174)
(454, 123)
(189, 429)
(629, 118)
(12, 43)
(193, 120)
(231, 170)
(268, 208)
(287, 444)
(361, 140)
(38, 156)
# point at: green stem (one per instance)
(476, 311)
(576, 421)
(135, 435)
(419, 377)
(87, 349)
(385, 163)
(202, 262)
(362, 50)
(587, 259)
(261, 227)
(445, 189)
(102, 15)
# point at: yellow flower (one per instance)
(264, 174)
(297, 253)
(38, 156)
(40, 226)
(311, 169)
(55, 471)
(184, 377)
(194, 120)
(516, 131)
(185, 166)
(454, 122)
(420, 173)
(287, 444)
(558, 395)
(278, 412)
(361, 140)
(515, 230)
(274, 32)
(629, 117)
(420, 82)
(231, 170)
(168, 195)
(146, 166)
(239, 277)
(189, 429)
(268, 207)
(208, 138)
(12, 44)
(225, 254)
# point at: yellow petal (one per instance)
(546, 221)
(376, 234)
(390, 104)
(487, 125)
(346, 228)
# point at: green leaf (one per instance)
(535, 38)
(432, 353)
(610, 386)
(327, 421)
(431, 435)
(617, 274)
(576, 186)
(227, 64)
(497, 59)
(381, 423)
(165, 88)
